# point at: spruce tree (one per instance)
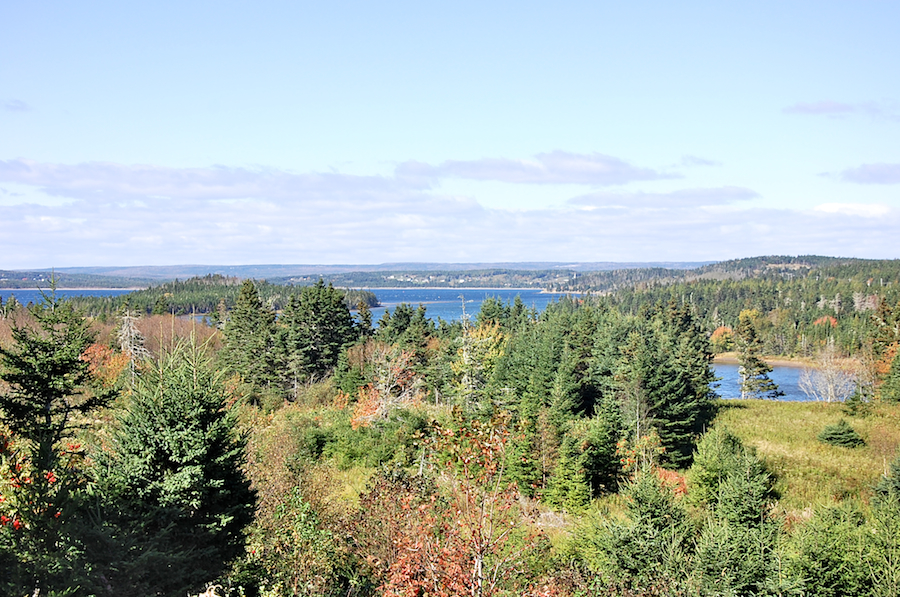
(315, 326)
(249, 339)
(48, 399)
(175, 501)
(664, 374)
(754, 372)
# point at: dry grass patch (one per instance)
(809, 471)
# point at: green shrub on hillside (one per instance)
(841, 434)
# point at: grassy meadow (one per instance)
(808, 471)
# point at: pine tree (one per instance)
(175, 499)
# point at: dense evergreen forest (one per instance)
(212, 295)
(577, 451)
(801, 302)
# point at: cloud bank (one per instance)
(555, 167)
(116, 214)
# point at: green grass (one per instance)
(808, 471)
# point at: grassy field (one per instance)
(810, 472)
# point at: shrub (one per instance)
(841, 434)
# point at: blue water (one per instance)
(447, 303)
(787, 379)
(34, 296)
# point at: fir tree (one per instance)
(315, 326)
(841, 434)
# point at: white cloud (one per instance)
(15, 105)
(674, 199)
(873, 174)
(555, 167)
(865, 210)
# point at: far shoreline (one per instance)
(731, 358)
(48, 290)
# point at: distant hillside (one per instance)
(771, 266)
(41, 279)
(275, 271)
(204, 294)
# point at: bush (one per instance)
(841, 434)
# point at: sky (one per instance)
(163, 133)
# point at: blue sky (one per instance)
(361, 132)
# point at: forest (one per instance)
(296, 447)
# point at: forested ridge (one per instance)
(212, 294)
(577, 451)
(802, 301)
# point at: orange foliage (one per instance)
(104, 364)
(721, 331)
(826, 320)
(673, 479)
(464, 545)
(883, 365)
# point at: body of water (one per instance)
(787, 378)
(29, 295)
(447, 303)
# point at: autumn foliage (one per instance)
(475, 541)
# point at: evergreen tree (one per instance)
(888, 488)
(841, 434)
(46, 401)
(754, 372)
(649, 549)
(315, 326)
(175, 501)
(664, 375)
(364, 319)
(736, 550)
(889, 390)
(249, 342)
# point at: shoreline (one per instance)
(844, 363)
(732, 359)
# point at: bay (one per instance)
(447, 303)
